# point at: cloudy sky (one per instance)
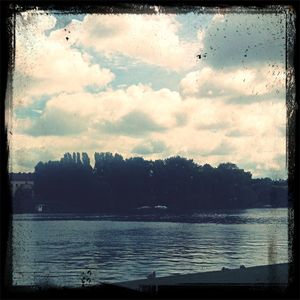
(133, 84)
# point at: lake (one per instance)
(68, 250)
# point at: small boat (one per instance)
(152, 208)
(144, 207)
(161, 207)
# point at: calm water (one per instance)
(61, 249)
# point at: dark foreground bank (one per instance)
(271, 282)
(277, 274)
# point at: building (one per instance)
(21, 181)
(24, 181)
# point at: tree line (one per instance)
(118, 185)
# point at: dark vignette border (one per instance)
(9, 8)
(7, 66)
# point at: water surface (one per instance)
(68, 250)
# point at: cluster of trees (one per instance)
(119, 185)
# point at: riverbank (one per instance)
(270, 281)
(268, 275)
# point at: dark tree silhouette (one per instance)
(121, 185)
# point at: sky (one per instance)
(134, 84)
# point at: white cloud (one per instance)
(207, 121)
(48, 64)
(196, 128)
(206, 136)
(77, 112)
(152, 39)
(252, 83)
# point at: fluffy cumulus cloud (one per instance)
(238, 85)
(151, 39)
(210, 133)
(46, 65)
(208, 136)
(135, 123)
(222, 110)
(134, 111)
(242, 59)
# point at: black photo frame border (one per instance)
(7, 12)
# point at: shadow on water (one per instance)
(217, 217)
